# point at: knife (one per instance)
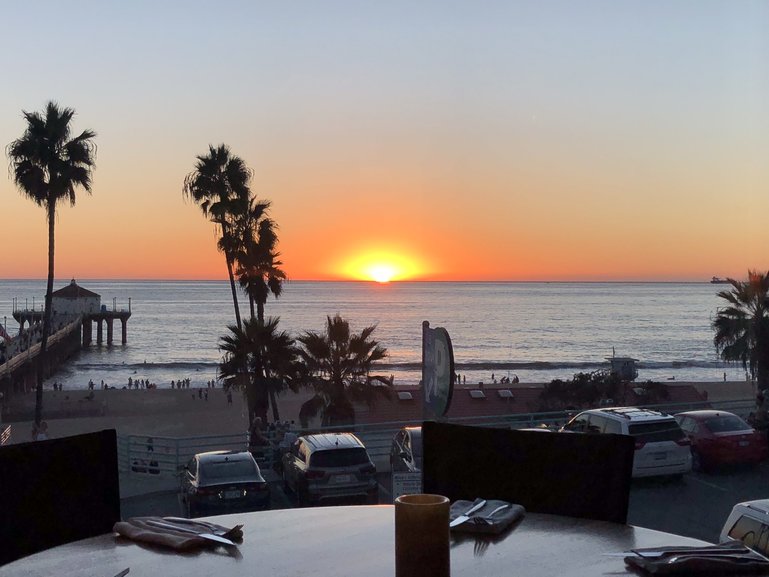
(208, 536)
(462, 518)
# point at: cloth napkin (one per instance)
(730, 558)
(137, 529)
(480, 522)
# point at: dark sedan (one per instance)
(720, 438)
(223, 482)
(406, 451)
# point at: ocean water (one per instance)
(537, 331)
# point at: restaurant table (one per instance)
(355, 541)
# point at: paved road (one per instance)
(696, 505)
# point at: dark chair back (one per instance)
(57, 491)
(572, 474)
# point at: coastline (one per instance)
(181, 413)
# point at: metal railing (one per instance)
(146, 455)
(168, 455)
(5, 434)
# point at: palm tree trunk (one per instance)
(260, 311)
(234, 291)
(274, 405)
(228, 258)
(251, 302)
(47, 316)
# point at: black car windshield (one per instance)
(227, 469)
(655, 432)
(339, 458)
(726, 423)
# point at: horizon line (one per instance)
(368, 281)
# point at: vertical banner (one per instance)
(437, 371)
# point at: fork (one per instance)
(486, 519)
(497, 510)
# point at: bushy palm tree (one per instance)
(49, 166)
(742, 327)
(258, 268)
(220, 186)
(339, 366)
(262, 360)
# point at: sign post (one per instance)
(437, 372)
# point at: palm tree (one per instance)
(742, 327)
(219, 185)
(262, 360)
(48, 166)
(258, 267)
(339, 366)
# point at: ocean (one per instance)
(536, 331)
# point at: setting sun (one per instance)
(382, 267)
(381, 272)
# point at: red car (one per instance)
(721, 438)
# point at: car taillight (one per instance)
(684, 442)
(369, 469)
(639, 445)
(310, 474)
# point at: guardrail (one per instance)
(146, 455)
(168, 455)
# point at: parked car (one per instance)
(406, 451)
(661, 448)
(749, 522)
(330, 467)
(720, 438)
(223, 482)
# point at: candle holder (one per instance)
(422, 536)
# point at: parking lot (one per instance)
(696, 505)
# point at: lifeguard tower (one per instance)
(624, 368)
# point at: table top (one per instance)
(356, 542)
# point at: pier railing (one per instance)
(24, 356)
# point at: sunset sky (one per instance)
(510, 140)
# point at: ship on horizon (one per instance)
(719, 280)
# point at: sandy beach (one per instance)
(155, 412)
(181, 413)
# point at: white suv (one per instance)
(661, 448)
(749, 522)
(329, 466)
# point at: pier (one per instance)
(73, 300)
(74, 312)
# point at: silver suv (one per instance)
(661, 447)
(330, 466)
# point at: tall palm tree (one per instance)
(48, 166)
(742, 327)
(219, 185)
(258, 268)
(339, 366)
(269, 358)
